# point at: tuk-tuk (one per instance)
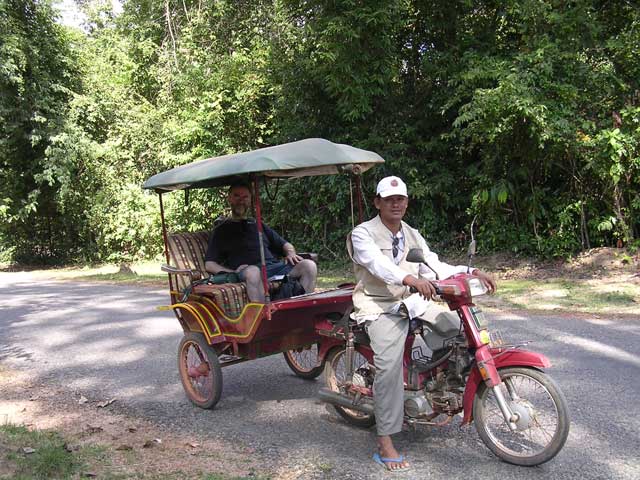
(221, 326)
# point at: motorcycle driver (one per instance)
(378, 249)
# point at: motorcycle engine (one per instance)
(445, 392)
(416, 404)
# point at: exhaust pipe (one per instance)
(334, 398)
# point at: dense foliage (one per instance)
(526, 113)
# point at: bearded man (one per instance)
(234, 247)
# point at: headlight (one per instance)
(476, 287)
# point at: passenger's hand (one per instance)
(293, 258)
(424, 287)
(487, 280)
(241, 267)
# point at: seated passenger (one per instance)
(234, 247)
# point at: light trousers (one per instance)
(388, 334)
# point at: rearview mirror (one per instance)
(415, 255)
(472, 248)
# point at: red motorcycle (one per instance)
(518, 410)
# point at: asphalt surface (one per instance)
(108, 341)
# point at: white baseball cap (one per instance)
(391, 186)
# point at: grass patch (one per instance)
(615, 298)
(586, 296)
(42, 454)
(138, 273)
(328, 278)
(49, 458)
(147, 272)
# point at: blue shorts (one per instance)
(276, 268)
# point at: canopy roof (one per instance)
(313, 156)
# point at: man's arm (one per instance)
(445, 270)
(277, 243)
(487, 280)
(290, 255)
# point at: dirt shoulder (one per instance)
(109, 444)
(596, 263)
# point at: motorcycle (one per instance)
(450, 368)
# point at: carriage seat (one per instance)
(186, 252)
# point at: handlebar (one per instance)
(414, 290)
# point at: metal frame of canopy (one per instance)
(308, 157)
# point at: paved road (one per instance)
(109, 341)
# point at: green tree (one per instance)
(37, 78)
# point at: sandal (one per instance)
(386, 461)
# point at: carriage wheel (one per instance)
(304, 361)
(200, 370)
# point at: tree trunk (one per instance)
(617, 207)
(584, 231)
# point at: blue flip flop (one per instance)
(384, 461)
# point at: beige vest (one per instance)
(371, 295)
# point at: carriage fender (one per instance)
(501, 359)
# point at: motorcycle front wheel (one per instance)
(543, 424)
(335, 375)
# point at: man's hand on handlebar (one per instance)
(488, 281)
(424, 287)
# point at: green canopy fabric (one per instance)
(313, 156)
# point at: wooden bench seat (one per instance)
(187, 251)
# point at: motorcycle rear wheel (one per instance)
(540, 401)
(335, 371)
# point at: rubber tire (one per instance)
(362, 420)
(560, 436)
(214, 366)
(306, 374)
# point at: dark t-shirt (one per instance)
(234, 243)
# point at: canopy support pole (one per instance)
(166, 241)
(359, 197)
(263, 263)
